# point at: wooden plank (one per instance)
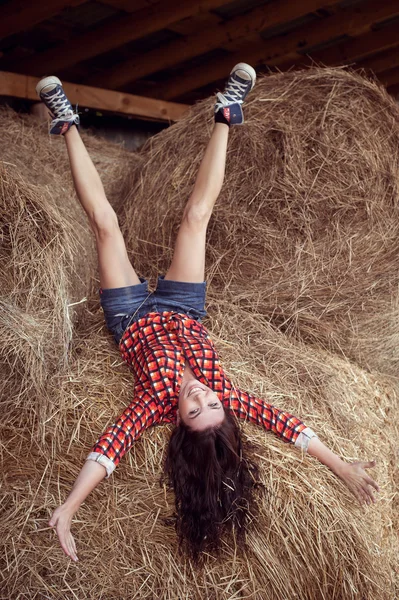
(130, 5)
(177, 51)
(23, 86)
(192, 25)
(394, 90)
(353, 21)
(113, 34)
(382, 62)
(389, 78)
(20, 15)
(359, 48)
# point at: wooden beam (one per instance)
(167, 55)
(389, 78)
(130, 5)
(359, 48)
(20, 15)
(23, 86)
(112, 34)
(394, 90)
(382, 62)
(353, 20)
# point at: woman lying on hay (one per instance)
(178, 377)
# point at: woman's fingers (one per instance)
(73, 554)
(371, 482)
(358, 491)
(74, 546)
(363, 495)
(63, 543)
(368, 464)
(53, 520)
(366, 493)
(371, 495)
(66, 540)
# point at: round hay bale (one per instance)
(310, 541)
(306, 229)
(47, 259)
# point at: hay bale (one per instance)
(311, 540)
(47, 260)
(306, 230)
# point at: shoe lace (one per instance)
(235, 89)
(59, 104)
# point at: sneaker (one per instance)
(50, 92)
(240, 82)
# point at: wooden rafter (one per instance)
(359, 48)
(113, 34)
(130, 5)
(20, 15)
(353, 21)
(23, 86)
(266, 16)
(383, 62)
(389, 78)
(394, 90)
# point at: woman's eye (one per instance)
(213, 404)
(193, 412)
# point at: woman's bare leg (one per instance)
(114, 265)
(188, 262)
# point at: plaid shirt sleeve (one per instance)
(118, 439)
(286, 426)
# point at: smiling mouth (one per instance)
(195, 388)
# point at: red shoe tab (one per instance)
(226, 113)
(65, 128)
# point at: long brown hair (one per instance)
(213, 482)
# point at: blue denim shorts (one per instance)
(123, 306)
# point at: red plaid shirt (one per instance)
(157, 348)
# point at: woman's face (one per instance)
(199, 406)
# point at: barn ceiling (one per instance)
(182, 50)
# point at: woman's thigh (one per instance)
(116, 270)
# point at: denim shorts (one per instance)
(126, 305)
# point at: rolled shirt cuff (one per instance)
(303, 439)
(104, 461)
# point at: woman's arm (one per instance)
(352, 474)
(105, 456)
(89, 477)
(249, 407)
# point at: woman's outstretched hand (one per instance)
(90, 475)
(61, 520)
(358, 481)
(352, 474)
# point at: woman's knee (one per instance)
(105, 223)
(196, 216)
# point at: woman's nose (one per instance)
(202, 399)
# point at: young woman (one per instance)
(178, 377)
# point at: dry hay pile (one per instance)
(46, 257)
(302, 251)
(306, 229)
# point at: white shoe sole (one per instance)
(47, 82)
(247, 69)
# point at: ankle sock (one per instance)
(223, 116)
